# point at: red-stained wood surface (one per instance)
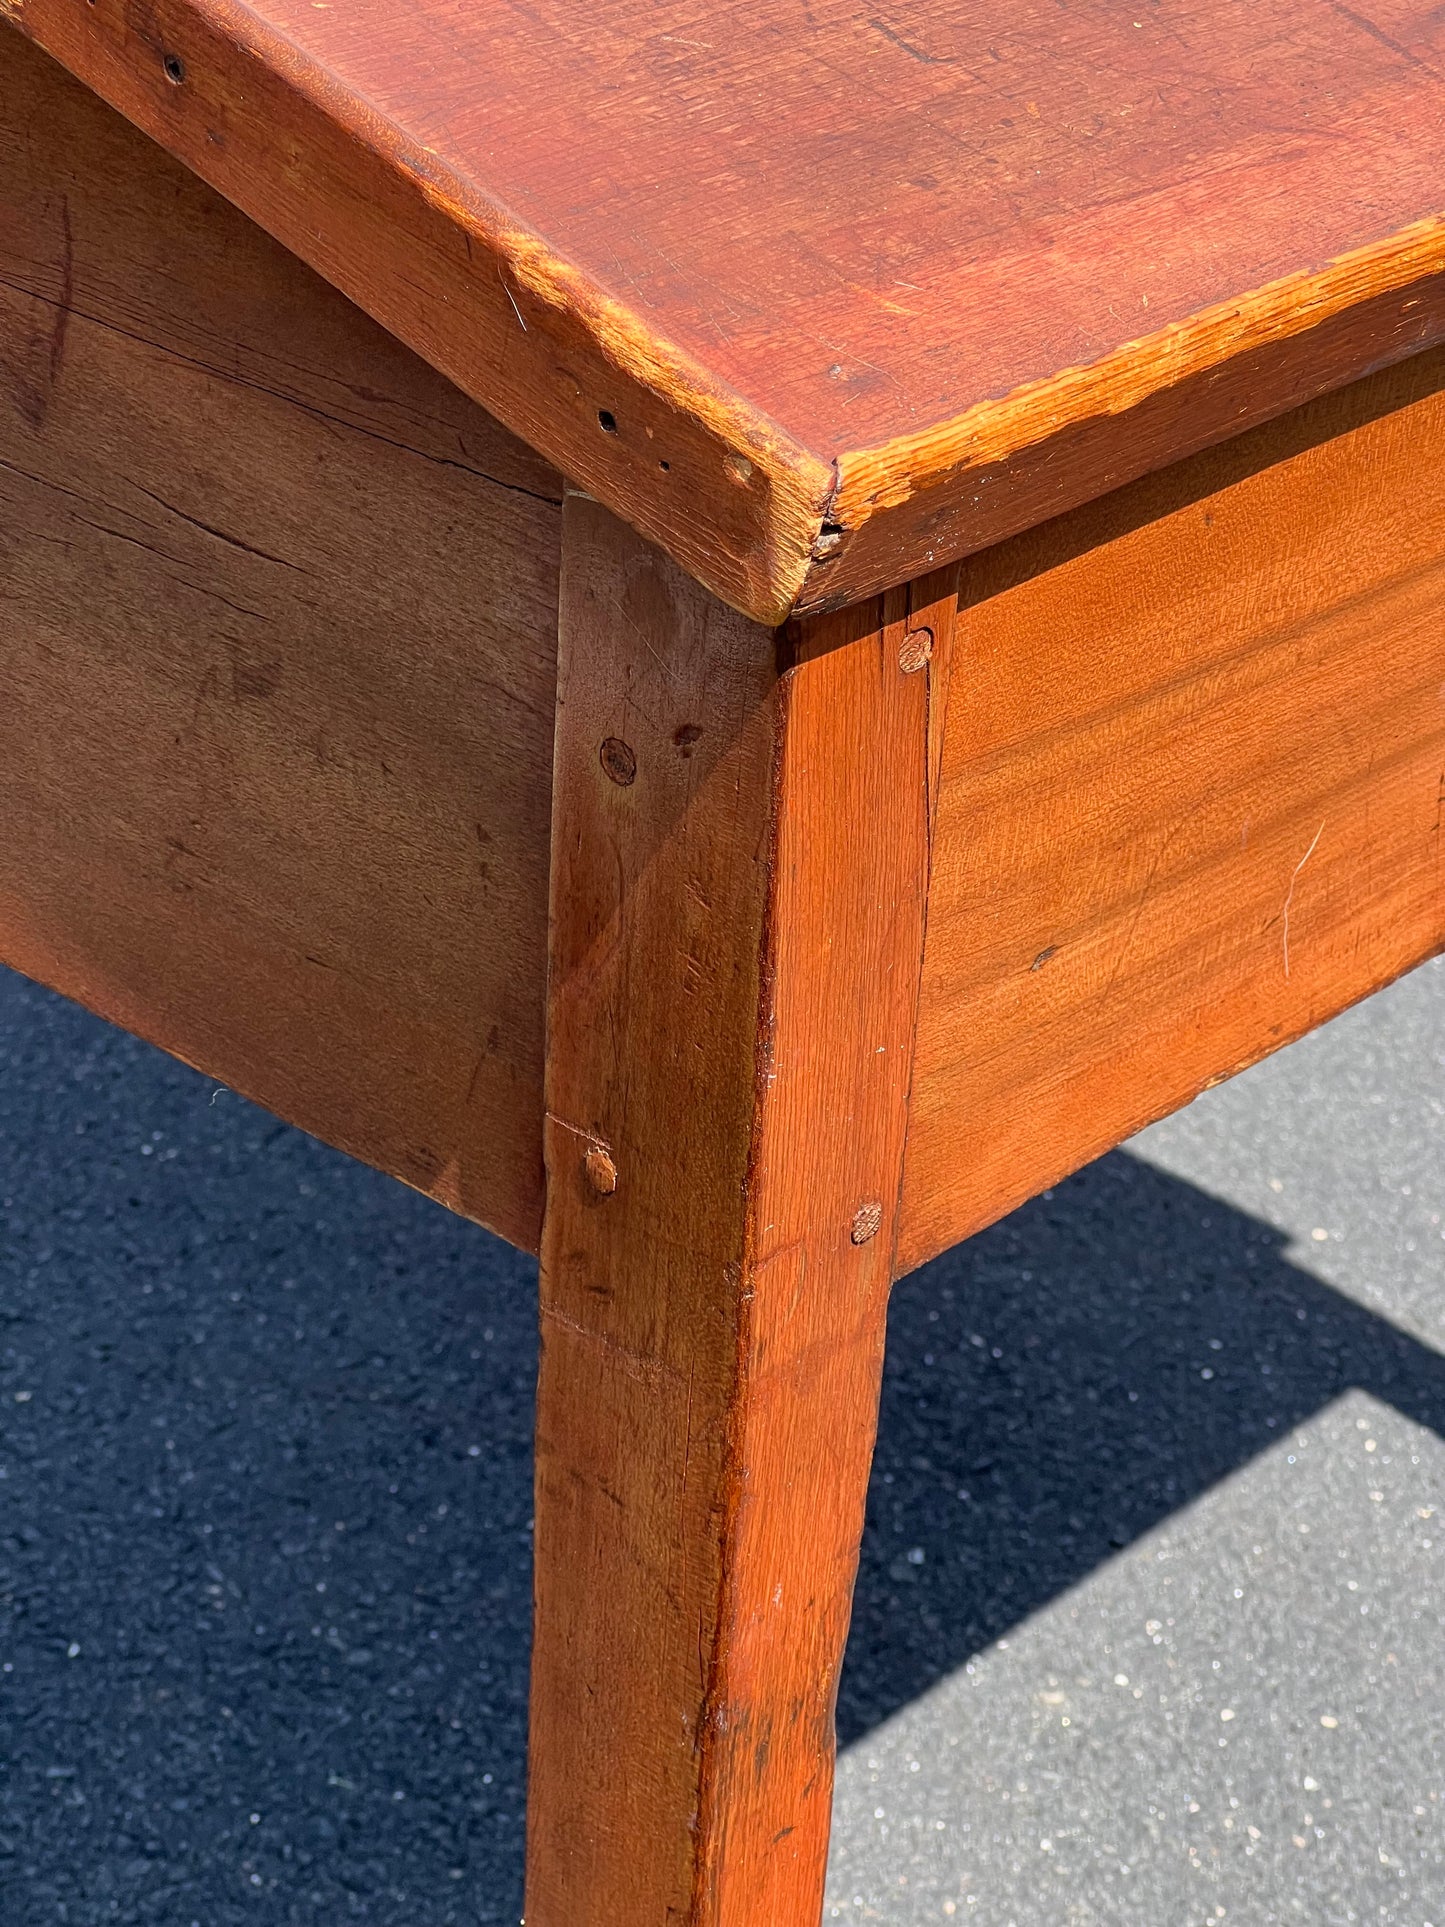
(820, 295)
(1191, 792)
(739, 872)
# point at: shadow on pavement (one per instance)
(1063, 1382)
(265, 1426)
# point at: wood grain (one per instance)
(1191, 796)
(1008, 466)
(821, 297)
(277, 645)
(427, 251)
(737, 920)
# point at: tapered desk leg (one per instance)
(739, 879)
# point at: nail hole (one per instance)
(666, 467)
(608, 420)
(175, 69)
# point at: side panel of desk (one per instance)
(277, 668)
(1193, 785)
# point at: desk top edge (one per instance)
(773, 521)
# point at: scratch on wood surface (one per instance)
(1123, 950)
(643, 638)
(1378, 33)
(1289, 894)
(646, 1367)
(209, 528)
(578, 1131)
(67, 261)
(512, 298)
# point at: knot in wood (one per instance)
(600, 1171)
(866, 1220)
(618, 760)
(916, 650)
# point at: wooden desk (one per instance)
(981, 680)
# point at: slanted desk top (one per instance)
(820, 294)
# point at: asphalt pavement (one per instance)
(1149, 1625)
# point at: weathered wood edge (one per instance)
(771, 527)
(922, 500)
(627, 415)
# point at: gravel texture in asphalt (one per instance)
(1149, 1625)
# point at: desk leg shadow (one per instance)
(1062, 1383)
(308, 1336)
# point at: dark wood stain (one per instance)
(277, 646)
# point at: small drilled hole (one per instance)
(175, 69)
(608, 420)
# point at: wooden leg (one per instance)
(738, 892)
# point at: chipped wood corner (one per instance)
(836, 531)
(787, 488)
